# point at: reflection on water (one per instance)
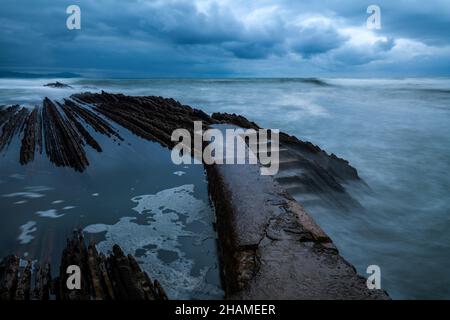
(132, 195)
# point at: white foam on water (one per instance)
(38, 188)
(25, 232)
(57, 201)
(296, 105)
(51, 213)
(95, 194)
(21, 202)
(31, 192)
(179, 173)
(69, 208)
(29, 195)
(179, 199)
(163, 232)
(29, 92)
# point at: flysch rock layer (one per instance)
(269, 246)
(113, 277)
(60, 128)
(306, 171)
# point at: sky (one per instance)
(227, 38)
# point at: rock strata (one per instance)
(63, 128)
(113, 277)
(306, 171)
(270, 248)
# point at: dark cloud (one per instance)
(253, 50)
(201, 38)
(316, 39)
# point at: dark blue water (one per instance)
(131, 195)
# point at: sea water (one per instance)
(395, 132)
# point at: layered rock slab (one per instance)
(270, 247)
(113, 277)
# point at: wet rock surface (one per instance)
(32, 137)
(270, 248)
(62, 127)
(63, 143)
(12, 119)
(307, 171)
(113, 277)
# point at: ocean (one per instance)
(395, 132)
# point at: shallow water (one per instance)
(395, 132)
(132, 195)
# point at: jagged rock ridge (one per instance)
(60, 128)
(114, 277)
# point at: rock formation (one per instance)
(57, 85)
(62, 128)
(269, 246)
(113, 277)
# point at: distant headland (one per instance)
(27, 75)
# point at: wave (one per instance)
(222, 81)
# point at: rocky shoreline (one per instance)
(270, 248)
(60, 128)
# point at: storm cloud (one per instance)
(206, 38)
